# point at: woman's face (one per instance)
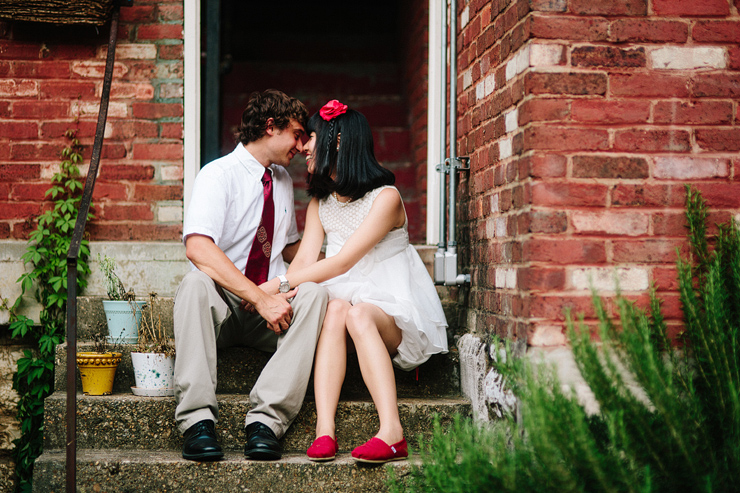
(308, 149)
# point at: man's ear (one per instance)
(270, 126)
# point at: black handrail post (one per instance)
(72, 255)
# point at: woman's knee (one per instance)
(336, 312)
(360, 321)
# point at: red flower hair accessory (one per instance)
(332, 109)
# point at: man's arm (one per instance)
(209, 258)
(290, 250)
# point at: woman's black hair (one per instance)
(357, 170)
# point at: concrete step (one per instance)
(126, 421)
(141, 470)
(239, 368)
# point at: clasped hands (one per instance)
(273, 307)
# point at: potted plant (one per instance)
(154, 358)
(98, 367)
(122, 311)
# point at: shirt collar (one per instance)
(250, 163)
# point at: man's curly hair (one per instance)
(269, 104)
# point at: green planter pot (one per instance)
(123, 319)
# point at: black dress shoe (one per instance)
(201, 443)
(262, 444)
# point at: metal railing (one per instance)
(73, 253)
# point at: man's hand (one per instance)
(276, 311)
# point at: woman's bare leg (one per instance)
(330, 366)
(376, 337)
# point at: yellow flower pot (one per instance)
(97, 371)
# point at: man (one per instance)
(240, 226)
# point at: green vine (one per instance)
(47, 252)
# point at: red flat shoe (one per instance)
(323, 449)
(376, 451)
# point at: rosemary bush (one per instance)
(683, 435)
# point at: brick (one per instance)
(130, 172)
(554, 306)
(157, 152)
(547, 222)
(564, 252)
(720, 195)
(546, 336)
(122, 231)
(172, 131)
(159, 31)
(565, 138)
(610, 111)
(649, 85)
(92, 109)
(716, 31)
(556, 194)
(734, 57)
(145, 192)
(610, 167)
(546, 55)
(608, 7)
(57, 129)
(646, 251)
(575, 83)
(131, 51)
(169, 13)
(29, 192)
(718, 139)
(608, 56)
(110, 191)
(170, 90)
(648, 30)
(716, 85)
(18, 210)
(548, 5)
(543, 109)
(543, 166)
(695, 112)
(646, 195)
(610, 223)
(67, 89)
(665, 278)
(609, 279)
(669, 224)
(157, 110)
(18, 88)
(540, 279)
(18, 172)
(688, 57)
(691, 8)
(132, 91)
(35, 151)
(14, 50)
(40, 69)
(19, 130)
(571, 28)
(650, 140)
(126, 212)
(171, 52)
(96, 70)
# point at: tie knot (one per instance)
(267, 177)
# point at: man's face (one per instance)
(285, 143)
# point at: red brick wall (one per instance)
(583, 120)
(51, 81)
(415, 45)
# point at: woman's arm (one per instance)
(313, 238)
(386, 214)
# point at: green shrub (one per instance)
(683, 434)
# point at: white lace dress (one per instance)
(391, 276)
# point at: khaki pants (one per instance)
(207, 317)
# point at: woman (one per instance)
(383, 303)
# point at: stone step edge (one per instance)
(125, 471)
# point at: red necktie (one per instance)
(258, 263)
